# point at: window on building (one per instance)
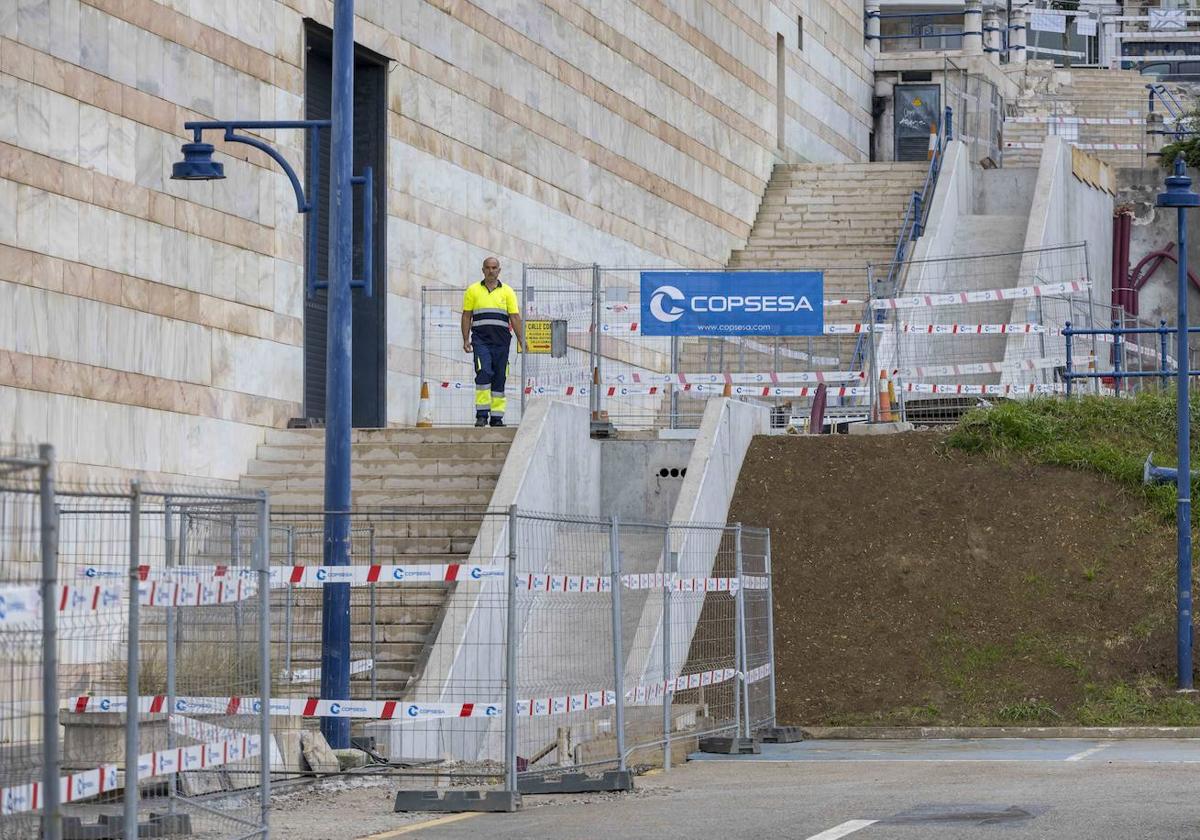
(800, 32)
(780, 90)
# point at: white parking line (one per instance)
(848, 827)
(1080, 756)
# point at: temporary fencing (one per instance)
(978, 109)
(935, 375)
(112, 595)
(516, 646)
(488, 647)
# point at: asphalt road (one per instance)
(872, 790)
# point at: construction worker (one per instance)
(490, 318)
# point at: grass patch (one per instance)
(1100, 434)
(1149, 701)
(1031, 711)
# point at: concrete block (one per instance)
(351, 758)
(112, 827)
(730, 746)
(317, 753)
(612, 780)
(880, 428)
(780, 734)
(457, 801)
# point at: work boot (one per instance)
(497, 423)
(480, 421)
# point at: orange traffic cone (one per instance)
(727, 391)
(425, 409)
(885, 398)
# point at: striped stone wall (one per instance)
(157, 326)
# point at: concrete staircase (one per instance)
(419, 497)
(1069, 103)
(837, 218)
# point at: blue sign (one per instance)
(733, 303)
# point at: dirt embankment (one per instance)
(917, 584)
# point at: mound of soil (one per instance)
(917, 584)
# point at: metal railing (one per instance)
(1128, 357)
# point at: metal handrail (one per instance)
(913, 225)
(1170, 104)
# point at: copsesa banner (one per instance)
(727, 303)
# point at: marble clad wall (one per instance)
(155, 326)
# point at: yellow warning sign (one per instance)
(538, 337)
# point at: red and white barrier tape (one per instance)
(223, 584)
(1088, 147)
(21, 799)
(906, 328)
(1066, 120)
(194, 593)
(565, 703)
(773, 377)
(315, 576)
(565, 583)
(988, 296)
(759, 673)
(290, 707)
(645, 695)
(980, 390)
(21, 606)
(658, 580)
(78, 786)
(763, 378)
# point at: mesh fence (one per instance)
(978, 110)
(998, 335)
(23, 719)
(486, 648)
(151, 674)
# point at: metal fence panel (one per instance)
(28, 735)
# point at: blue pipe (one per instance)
(335, 612)
(1183, 483)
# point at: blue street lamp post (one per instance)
(1180, 196)
(198, 165)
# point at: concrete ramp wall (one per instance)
(1065, 211)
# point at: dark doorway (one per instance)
(370, 313)
(916, 109)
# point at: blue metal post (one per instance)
(335, 615)
(1118, 359)
(1068, 335)
(1183, 481)
(1180, 196)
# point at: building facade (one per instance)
(158, 326)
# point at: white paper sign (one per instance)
(1045, 22)
(1085, 26)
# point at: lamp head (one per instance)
(197, 164)
(1179, 189)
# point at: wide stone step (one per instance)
(401, 498)
(407, 435)
(389, 451)
(281, 483)
(382, 467)
(306, 618)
